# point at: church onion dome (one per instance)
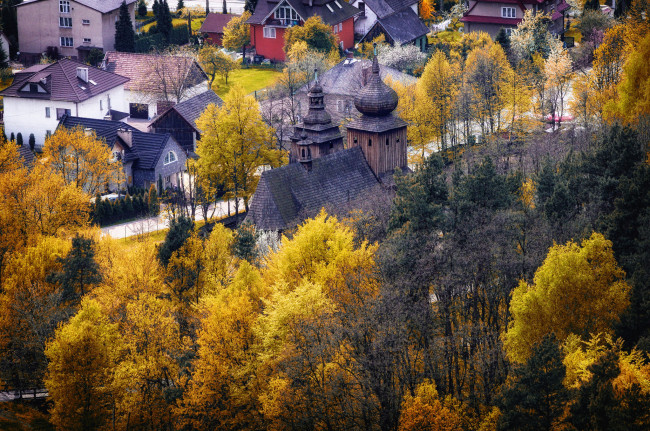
(376, 99)
(317, 113)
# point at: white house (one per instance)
(42, 94)
(156, 81)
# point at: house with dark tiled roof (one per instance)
(212, 27)
(397, 20)
(40, 95)
(145, 156)
(321, 172)
(272, 17)
(71, 27)
(156, 81)
(180, 120)
(491, 16)
(26, 155)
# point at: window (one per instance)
(339, 105)
(85, 21)
(86, 40)
(60, 112)
(33, 88)
(101, 105)
(355, 140)
(340, 27)
(362, 8)
(286, 12)
(64, 6)
(334, 28)
(66, 41)
(269, 32)
(508, 31)
(65, 21)
(508, 12)
(48, 133)
(170, 157)
(139, 110)
(386, 141)
(370, 142)
(47, 112)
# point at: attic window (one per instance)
(370, 142)
(355, 140)
(92, 82)
(170, 157)
(338, 4)
(286, 12)
(386, 141)
(330, 8)
(33, 88)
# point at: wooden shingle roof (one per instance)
(331, 11)
(286, 195)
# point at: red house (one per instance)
(212, 27)
(272, 17)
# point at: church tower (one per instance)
(380, 134)
(316, 136)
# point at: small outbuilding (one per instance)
(213, 26)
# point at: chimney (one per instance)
(126, 135)
(82, 73)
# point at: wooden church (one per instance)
(322, 170)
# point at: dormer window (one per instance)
(362, 8)
(33, 88)
(170, 157)
(286, 12)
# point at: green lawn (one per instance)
(175, 22)
(251, 79)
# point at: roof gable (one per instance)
(145, 150)
(331, 11)
(402, 27)
(59, 81)
(144, 70)
(216, 22)
(191, 109)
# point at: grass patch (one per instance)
(251, 80)
(445, 37)
(176, 22)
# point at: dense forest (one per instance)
(501, 285)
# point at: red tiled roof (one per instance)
(562, 7)
(144, 74)
(215, 22)
(491, 20)
(556, 15)
(60, 82)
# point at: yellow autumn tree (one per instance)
(237, 34)
(82, 160)
(82, 358)
(221, 393)
(518, 95)
(559, 71)
(413, 108)
(579, 289)
(633, 91)
(487, 70)
(31, 306)
(44, 204)
(426, 8)
(218, 260)
(318, 35)
(426, 411)
(235, 144)
(440, 81)
(318, 272)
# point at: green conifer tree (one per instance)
(124, 33)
